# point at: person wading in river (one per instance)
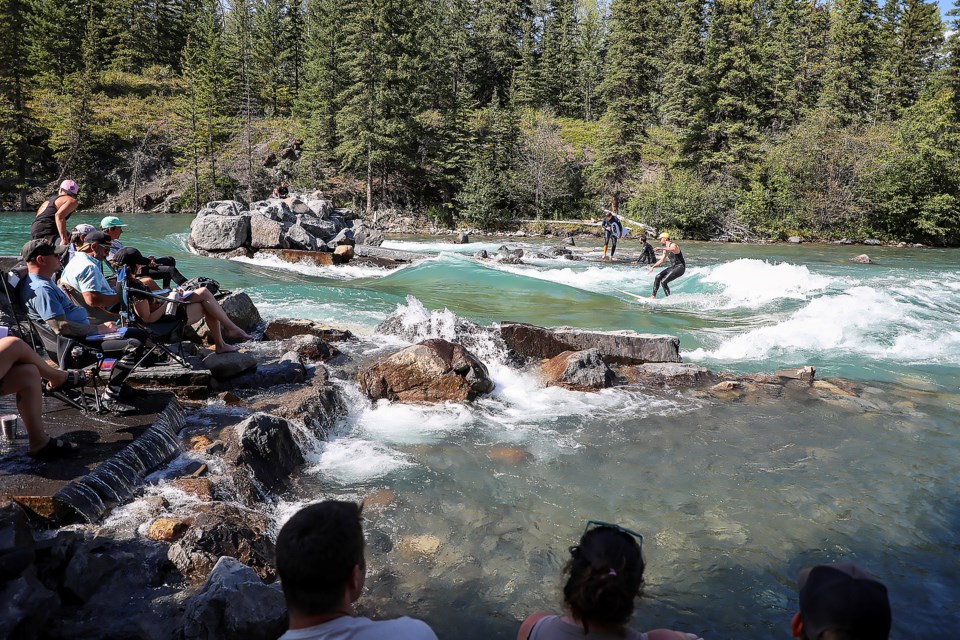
(612, 230)
(671, 252)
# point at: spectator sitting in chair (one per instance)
(163, 268)
(201, 303)
(21, 371)
(84, 274)
(47, 304)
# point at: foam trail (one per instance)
(753, 283)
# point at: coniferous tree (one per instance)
(16, 122)
(295, 29)
(239, 51)
(910, 50)
(952, 70)
(527, 90)
(270, 48)
(591, 41)
(55, 34)
(683, 72)
(496, 34)
(733, 106)
(324, 72)
(850, 81)
(629, 91)
(131, 24)
(560, 57)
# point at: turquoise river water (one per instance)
(733, 498)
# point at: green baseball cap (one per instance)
(111, 221)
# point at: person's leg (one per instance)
(672, 273)
(656, 282)
(168, 264)
(212, 308)
(613, 244)
(197, 312)
(24, 381)
(127, 352)
(14, 351)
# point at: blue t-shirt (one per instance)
(44, 300)
(83, 274)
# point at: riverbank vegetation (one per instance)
(745, 118)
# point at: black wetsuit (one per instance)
(612, 230)
(677, 266)
(646, 254)
(44, 226)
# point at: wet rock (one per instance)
(229, 365)
(577, 370)
(234, 604)
(167, 529)
(198, 443)
(803, 373)
(462, 238)
(420, 546)
(28, 605)
(505, 252)
(872, 242)
(224, 529)
(862, 259)
(311, 348)
(507, 259)
(264, 445)
(795, 240)
(219, 232)
(345, 252)
(318, 406)
(379, 500)
(431, 371)
(616, 347)
(727, 390)
(667, 374)
(508, 455)
(481, 255)
(265, 233)
(200, 488)
(558, 252)
(288, 369)
(830, 387)
(284, 328)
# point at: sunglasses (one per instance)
(593, 524)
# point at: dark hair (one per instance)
(605, 577)
(317, 550)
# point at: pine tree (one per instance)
(295, 29)
(269, 54)
(496, 34)
(527, 90)
(131, 23)
(733, 106)
(55, 34)
(850, 82)
(629, 90)
(592, 43)
(560, 57)
(952, 71)
(325, 73)
(683, 71)
(239, 51)
(910, 50)
(16, 121)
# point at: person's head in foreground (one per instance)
(604, 577)
(841, 602)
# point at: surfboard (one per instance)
(633, 295)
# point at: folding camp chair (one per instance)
(68, 353)
(161, 334)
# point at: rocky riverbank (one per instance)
(191, 555)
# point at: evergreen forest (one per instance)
(746, 119)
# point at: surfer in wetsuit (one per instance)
(50, 223)
(612, 230)
(646, 252)
(677, 266)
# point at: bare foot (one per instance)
(226, 348)
(239, 334)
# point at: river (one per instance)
(733, 498)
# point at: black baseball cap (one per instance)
(129, 256)
(843, 597)
(96, 237)
(36, 248)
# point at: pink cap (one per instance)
(70, 187)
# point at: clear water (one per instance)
(733, 497)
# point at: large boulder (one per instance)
(431, 371)
(616, 347)
(578, 371)
(862, 259)
(226, 207)
(240, 309)
(288, 369)
(265, 232)
(27, 604)
(234, 604)
(264, 444)
(318, 406)
(223, 366)
(219, 232)
(274, 209)
(317, 227)
(311, 348)
(283, 328)
(297, 206)
(296, 237)
(225, 529)
(319, 207)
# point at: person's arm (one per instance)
(62, 326)
(101, 300)
(147, 311)
(61, 219)
(658, 262)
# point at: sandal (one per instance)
(76, 379)
(54, 449)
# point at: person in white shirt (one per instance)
(84, 273)
(322, 570)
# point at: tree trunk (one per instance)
(369, 179)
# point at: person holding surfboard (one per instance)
(671, 252)
(612, 231)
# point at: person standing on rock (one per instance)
(50, 223)
(322, 571)
(612, 230)
(671, 252)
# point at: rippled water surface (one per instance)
(733, 497)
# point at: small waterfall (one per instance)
(116, 480)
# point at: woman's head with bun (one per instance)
(605, 576)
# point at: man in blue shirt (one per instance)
(47, 304)
(84, 272)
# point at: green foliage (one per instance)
(682, 200)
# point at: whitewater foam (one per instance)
(307, 267)
(750, 282)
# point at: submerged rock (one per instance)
(862, 259)
(431, 371)
(578, 371)
(616, 347)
